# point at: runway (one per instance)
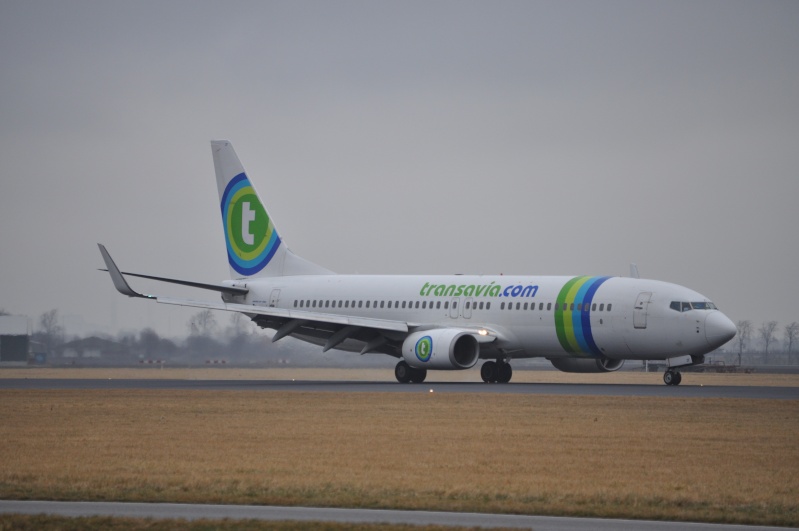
(309, 514)
(681, 391)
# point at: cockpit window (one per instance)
(682, 306)
(703, 306)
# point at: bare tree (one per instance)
(791, 333)
(238, 325)
(149, 340)
(51, 330)
(744, 331)
(202, 323)
(767, 335)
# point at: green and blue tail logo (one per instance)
(251, 237)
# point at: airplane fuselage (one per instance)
(534, 316)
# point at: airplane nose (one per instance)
(719, 329)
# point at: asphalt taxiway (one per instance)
(681, 391)
(319, 514)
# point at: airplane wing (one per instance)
(378, 335)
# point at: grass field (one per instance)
(724, 460)
(57, 523)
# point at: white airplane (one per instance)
(446, 322)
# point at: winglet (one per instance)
(119, 281)
(634, 271)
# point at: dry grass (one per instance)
(58, 523)
(724, 460)
(387, 375)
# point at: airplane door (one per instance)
(274, 298)
(467, 309)
(641, 305)
(453, 308)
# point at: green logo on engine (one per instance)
(424, 347)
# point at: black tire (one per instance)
(677, 378)
(402, 372)
(668, 378)
(504, 372)
(488, 372)
(418, 375)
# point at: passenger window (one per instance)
(602, 307)
(481, 305)
(549, 306)
(488, 306)
(446, 305)
(454, 305)
(593, 307)
(382, 304)
(389, 304)
(346, 304)
(424, 305)
(367, 304)
(609, 305)
(518, 305)
(468, 305)
(438, 305)
(501, 306)
(360, 304)
(417, 305)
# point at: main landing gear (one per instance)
(671, 377)
(496, 372)
(407, 374)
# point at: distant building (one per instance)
(15, 339)
(93, 348)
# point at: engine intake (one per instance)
(585, 365)
(443, 348)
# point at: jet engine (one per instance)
(443, 348)
(602, 364)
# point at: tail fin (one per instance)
(254, 248)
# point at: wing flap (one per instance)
(344, 320)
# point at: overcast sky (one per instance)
(400, 137)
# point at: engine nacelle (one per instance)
(602, 364)
(443, 348)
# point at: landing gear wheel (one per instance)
(504, 372)
(488, 372)
(403, 372)
(418, 375)
(672, 378)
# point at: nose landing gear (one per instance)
(671, 377)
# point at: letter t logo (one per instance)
(247, 216)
